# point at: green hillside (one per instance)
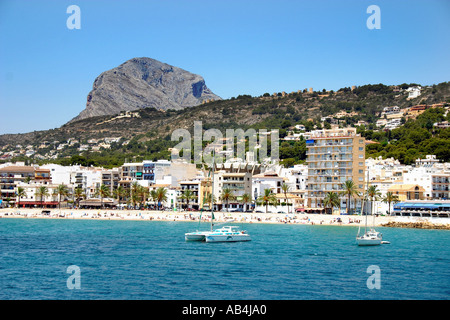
(147, 135)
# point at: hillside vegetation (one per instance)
(147, 135)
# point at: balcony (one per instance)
(328, 143)
(329, 158)
(330, 165)
(332, 150)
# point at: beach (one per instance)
(221, 217)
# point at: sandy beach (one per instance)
(151, 215)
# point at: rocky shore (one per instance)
(417, 225)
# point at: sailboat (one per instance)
(370, 237)
(224, 234)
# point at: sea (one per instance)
(62, 259)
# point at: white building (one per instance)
(267, 180)
(393, 124)
(413, 92)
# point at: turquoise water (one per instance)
(151, 260)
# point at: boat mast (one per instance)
(212, 189)
(367, 187)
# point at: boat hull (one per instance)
(196, 236)
(227, 238)
(368, 242)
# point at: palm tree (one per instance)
(20, 193)
(267, 197)
(246, 198)
(103, 192)
(61, 190)
(331, 200)
(188, 195)
(285, 188)
(227, 195)
(79, 194)
(42, 192)
(161, 195)
(119, 193)
(143, 193)
(350, 190)
(390, 198)
(210, 199)
(153, 196)
(373, 194)
(134, 193)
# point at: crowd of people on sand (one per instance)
(315, 219)
(240, 217)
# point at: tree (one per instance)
(103, 192)
(120, 193)
(41, 193)
(267, 197)
(188, 195)
(20, 193)
(227, 195)
(62, 191)
(390, 198)
(135, 193)
(210, 199)
(161, 195)
(79, 194)
(331, 200)
(373, 194)
(349, 190)
(143, 194)
(246, 198)
(153, 196)
(285, 188)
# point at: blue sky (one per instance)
(239, 47)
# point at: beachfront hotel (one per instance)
(333, 157)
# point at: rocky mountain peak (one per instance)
(142, 83)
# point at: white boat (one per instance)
(227, 234)
(370, 238)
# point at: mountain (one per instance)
(144, 83)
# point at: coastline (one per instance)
(220, 217)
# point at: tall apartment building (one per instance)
(334, 156)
